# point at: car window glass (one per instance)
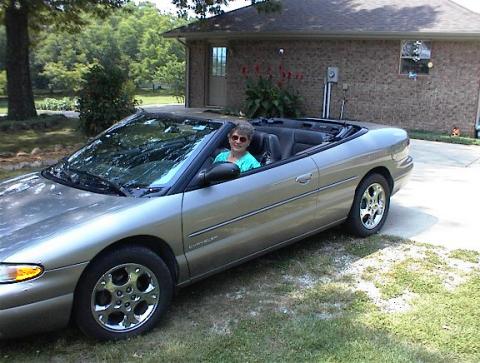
(142, 153)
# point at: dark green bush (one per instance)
(268, 99)
(105, 99)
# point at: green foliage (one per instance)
(3, 82)
(172, 74)
(130, 37)
(53, 104)
(62, 78)
(67, 15)
(23, 20)
(215, 7)
(105, 99)
(266, 98)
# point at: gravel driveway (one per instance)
(441, 202)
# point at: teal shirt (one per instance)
(245, 163)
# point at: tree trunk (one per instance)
(21, 104)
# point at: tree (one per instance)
(204, 7)
(105, 99)
(129, 37)
(63, 78)
(172, 74)
(23, 16)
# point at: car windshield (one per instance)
(144, 153)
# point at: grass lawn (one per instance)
(329, 298)
(437, 136)
(160, 97)
(55, 135)
(64, 132)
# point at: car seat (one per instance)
(265, 147)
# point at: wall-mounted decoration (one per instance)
(415, 57)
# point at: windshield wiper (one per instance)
(99, 180)
(58, 173)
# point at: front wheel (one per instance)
(122, 294)
(370, 206)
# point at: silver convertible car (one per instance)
(105, 236)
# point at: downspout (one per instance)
(187, 72)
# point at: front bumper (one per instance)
(42, 304)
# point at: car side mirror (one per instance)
(219, 172)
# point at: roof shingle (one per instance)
(337, 17)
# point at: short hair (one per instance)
(243, 128)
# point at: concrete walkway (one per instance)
(441, 202)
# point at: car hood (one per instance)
(33, 208)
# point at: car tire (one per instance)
(370, 206)
(122, 293)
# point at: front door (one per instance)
(224, 223)
(217, 83)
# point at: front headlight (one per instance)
(18, 272)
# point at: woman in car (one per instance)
(239, 139)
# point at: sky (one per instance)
(166, 5)
(470, 4)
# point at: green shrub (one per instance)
(53, 104)
(268, 97)
(106, 98)
(3, 82)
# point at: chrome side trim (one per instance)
(337, 183)
(236, 219)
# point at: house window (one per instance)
(415, 57)
(219, 61)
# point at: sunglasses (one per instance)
(238, 138)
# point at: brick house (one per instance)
(410, 63)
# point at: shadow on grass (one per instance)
(43, 132)
(247, 314)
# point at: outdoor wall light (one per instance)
(430, 65)
(281, 51)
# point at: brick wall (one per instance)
(197, 64)
(370, 68)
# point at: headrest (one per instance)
(257, 145)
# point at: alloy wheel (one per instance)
(125, 297)
(372, 206)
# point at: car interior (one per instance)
(279, 139)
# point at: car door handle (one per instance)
(304, 179)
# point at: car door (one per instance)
(230, 221)
(339, 176)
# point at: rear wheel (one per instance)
(370, 206)
(122, 294)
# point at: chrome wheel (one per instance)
(125, 297)
(372, 206)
